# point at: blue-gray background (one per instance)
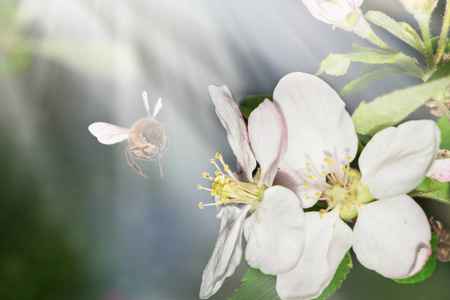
(75, 221)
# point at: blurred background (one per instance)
(76, 222)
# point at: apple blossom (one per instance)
(276, 224)
(391, 234)
(419, 7)
(340, 13)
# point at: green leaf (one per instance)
(444, 126)
(256, 285)
(442, 71)
(429, 267)
(259, 286)
(439, 191)
(362, 82)
(341, 273)
(401, 30)
(387, 110)
(338, 64)
(252, 102)
(362, 141)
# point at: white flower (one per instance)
(340, 13)
(391, 235)
(275, 228)
(419, 7)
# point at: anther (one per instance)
(341, 208)
(310, 176)
(199, 186)
(217, 173)
(352, 173)
(306, 185)
(317, 194)
(205, 175)
(226, 168)
(358, 203)
(360, 184)
(343, 169)
(219, 202)
(218, 155)
(200, 205)
(306, 197)
(211, 160)
(321, 212)
(307, 164)
(348, 158)
(324, 173)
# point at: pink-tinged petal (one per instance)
(355, 4)
(327, 240)
(440, 170)
(396, 160)
(315, 10)
(392, 236)
(231, 118)
(268, 139)
(227, 253)
(318, 125)
(336, 12)
(275, 232)
(295, 181)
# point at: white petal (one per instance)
(392, 236)
(440, 170)
(318, 125)
(327, 241)
(295, 181)
(231, 118)
(227, 252)
(396, 160)
(268, 139)
(275, 232)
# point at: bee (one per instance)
(146, 138)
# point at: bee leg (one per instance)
(132, 163)
(161, 152)
(148, 155)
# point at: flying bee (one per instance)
(146, 138)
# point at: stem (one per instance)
(424, 27)
(444, 34)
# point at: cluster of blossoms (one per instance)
(296, 151)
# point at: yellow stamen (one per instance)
(348, 158)
(306, 197)
(205, 175)
(211, 160)
(317, 194)
(324, 173)
(219, 202)
(360, 184)
(307, 164)
(306, 185)
(226, 168)
(218, 155)
(200, 205)
(352, 173)
(344, 169)
(213, 192)
(321, 212)
(217, 173)
(310, 176)
(359, 203)
(199, 186)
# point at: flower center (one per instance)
(229, 189)
(342, 188)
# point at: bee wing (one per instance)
(157, 107)
(145, 98)
(108, 134)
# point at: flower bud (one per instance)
(419, 8)
(340, 13)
